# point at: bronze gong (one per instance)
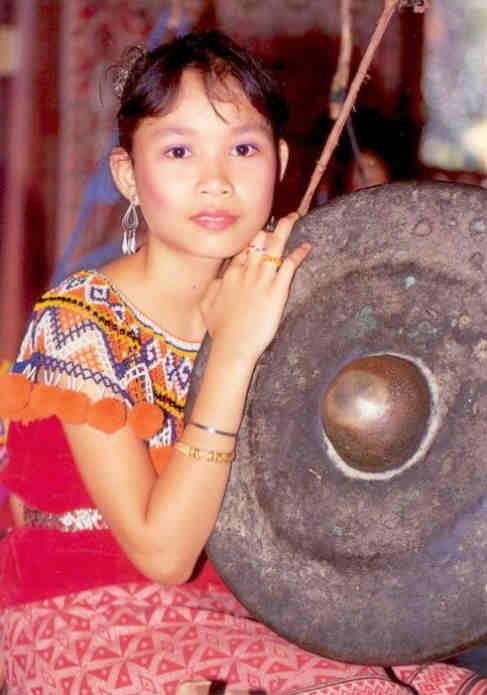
(355, 519)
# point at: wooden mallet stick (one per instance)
(332, 141)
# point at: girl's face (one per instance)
(204, 173)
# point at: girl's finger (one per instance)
(256, 249)
(290, 264)
(240, 258)
(276, 242)
(256, 244)
(259, 239)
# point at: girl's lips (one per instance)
(216, 220)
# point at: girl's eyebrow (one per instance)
(252, 127)
(167, 130)
(186, 131)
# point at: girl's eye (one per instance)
(178, 152)
(244, 150)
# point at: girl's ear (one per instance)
(283, 156)
(123, 173)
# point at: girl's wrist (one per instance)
(222, 393)
(239, 360)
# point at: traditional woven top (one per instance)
(85, 330)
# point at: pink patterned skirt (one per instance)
(136, 639)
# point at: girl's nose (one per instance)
(214, 180)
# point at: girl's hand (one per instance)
(242, 310)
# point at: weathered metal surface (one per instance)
(370, 568)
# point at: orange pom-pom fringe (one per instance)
(145, 419)
(22, 400)
(107, 415)
(73, 407)
(44, 400)
(15, 390)
(159, 456)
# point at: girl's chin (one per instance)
(210, 255)
(219, 252)
(215, 248)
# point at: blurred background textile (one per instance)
(421, 113)
(455, 86)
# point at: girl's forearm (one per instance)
(186, 498)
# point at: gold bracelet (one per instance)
(211, 456)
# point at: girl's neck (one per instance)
(166, 285)
(176, 275)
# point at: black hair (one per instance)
(153, 79)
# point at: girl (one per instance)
(116, 500)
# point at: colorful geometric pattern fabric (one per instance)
(441, 679)
(128, 640)
(85, 330)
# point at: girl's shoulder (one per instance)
(88, 298)
(80, 328)
(82, 297)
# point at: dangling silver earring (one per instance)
(271, 224)
(130, 222)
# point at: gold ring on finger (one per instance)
(272, 259)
